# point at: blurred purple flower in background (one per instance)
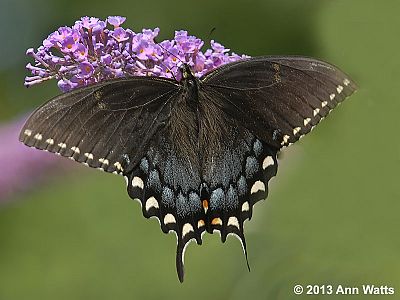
(22, 167)
(89, 52)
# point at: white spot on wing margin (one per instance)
(186, 229)
(76, 149)
(169, 219)
(234, 222)
(137, 182)
(38, 136)
(268, 161)
(151, 202)
(89, 155)
(257, 186)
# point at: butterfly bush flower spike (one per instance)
(93, 50)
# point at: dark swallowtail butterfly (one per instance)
(197, 154)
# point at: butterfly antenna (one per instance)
(170, 70)
(170, 53)
(211, 32)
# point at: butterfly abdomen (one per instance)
(196, 127)
(182, 129)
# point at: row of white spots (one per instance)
(316, 111)
(187, 228)
(232, 221)
(339, 88)
(50, 141)
(170, 219)
(257, 186)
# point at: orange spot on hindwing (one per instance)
(216, 221)
(205, 205)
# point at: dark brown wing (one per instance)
(278, 98)
(106, 125)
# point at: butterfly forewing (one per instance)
(278, 98)
(106, 125)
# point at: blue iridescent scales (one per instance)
(189, 205)
(197, 153)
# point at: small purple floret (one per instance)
(90, 52)
(86, 69)
(120, 35)
(116, 21)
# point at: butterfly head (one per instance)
(186, 71)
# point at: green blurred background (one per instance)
(332, 214)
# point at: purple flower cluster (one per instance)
(89, 52)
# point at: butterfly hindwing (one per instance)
(106, 125)
(218, 194)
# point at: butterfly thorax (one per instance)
(184, 122)
(189, 87)
(196, 125)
